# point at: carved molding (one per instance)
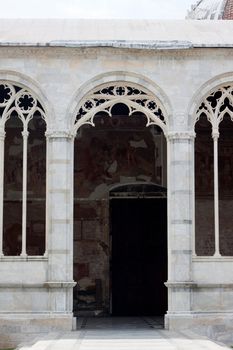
(181, 135)
(2, 134)
(60, 284)
(54, 52)
(215, 134)
(196, 285)
(182, 285)
(59, 134)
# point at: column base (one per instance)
(18, 328)
(217, 326)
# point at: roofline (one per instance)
(121, 44)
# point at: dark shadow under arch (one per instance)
(138, 214)
(120, 154)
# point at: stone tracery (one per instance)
(137, 100)
(216, 104)
(215, 115)
(21, 114)
(18, 99)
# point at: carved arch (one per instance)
(135, 97)
(124, 77)
(22, 80)
(205, 91)
(216, 104)
(18, 102)
(15, 98)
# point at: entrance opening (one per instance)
(120, 255)
(139, 253)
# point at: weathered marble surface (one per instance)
(41, 289)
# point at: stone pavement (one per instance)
(122, 334)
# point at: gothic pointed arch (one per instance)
(126, 146)
(23, 170)
(213, 120)
(136, 98)
(18, 99)
(136, 91)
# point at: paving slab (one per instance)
(118, 333)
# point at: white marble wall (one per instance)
(61, 77)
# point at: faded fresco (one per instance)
(117, 150)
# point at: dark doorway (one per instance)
(139, 256)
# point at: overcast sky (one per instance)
(154, 9)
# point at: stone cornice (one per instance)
(122, 44)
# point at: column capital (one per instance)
(215, 134)
(2, 134)
(59, 134)
(181, 135)
(25, 133)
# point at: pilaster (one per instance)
(60, 219)
(2, 138)
(180, 220)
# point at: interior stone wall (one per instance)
(91, 255)
(118, 150)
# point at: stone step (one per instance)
(39, 338)
(123, 340)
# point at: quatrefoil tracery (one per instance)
(136, 99)
(16, 99)
(216, 105)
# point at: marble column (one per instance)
(60, 221)
(180, 222)
(2, 138)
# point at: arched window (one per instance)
(214, 174)
(22, 203)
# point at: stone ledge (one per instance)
(213, 258)
(196, 285)
(18, 258)
(182, 285)
(60, 284)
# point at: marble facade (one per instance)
(36, 292)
